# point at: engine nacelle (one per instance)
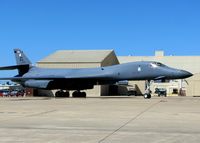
(43, 84)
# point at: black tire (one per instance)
(66, 94)
(62, 94)
(147, 96)
(83, 94)
(57, 94)
(77, 94)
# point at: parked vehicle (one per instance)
(17, 93)
(161, 92)
(20, 93)
(5, 92)
(11, 93)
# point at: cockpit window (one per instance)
(157, 64)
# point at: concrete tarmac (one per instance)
(100, 120)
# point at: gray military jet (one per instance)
(85, 78)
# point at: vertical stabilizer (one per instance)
(21, 58)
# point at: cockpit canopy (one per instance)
(157, 64)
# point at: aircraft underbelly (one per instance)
(70, 85)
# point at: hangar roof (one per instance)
(77, 56)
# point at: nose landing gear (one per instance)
(147, 94)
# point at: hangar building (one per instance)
(81, 59)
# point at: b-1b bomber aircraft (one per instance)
(85, 78)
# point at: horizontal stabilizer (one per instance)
(14, 67)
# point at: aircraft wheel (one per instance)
(66, 94)
(83, 94)
(147, 96)
(58, 93)
(75, 94)
(78, 94)
(62, 94)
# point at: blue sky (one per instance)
(130, 27)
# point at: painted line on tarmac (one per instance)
(129, 121)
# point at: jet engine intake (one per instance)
(42, 84)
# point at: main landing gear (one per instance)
(75, 94)
(61, 93)
(79, 94)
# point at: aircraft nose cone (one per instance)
(185, 74)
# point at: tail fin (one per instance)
(22, 61)
(21, 58)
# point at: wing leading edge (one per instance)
(100, 77)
